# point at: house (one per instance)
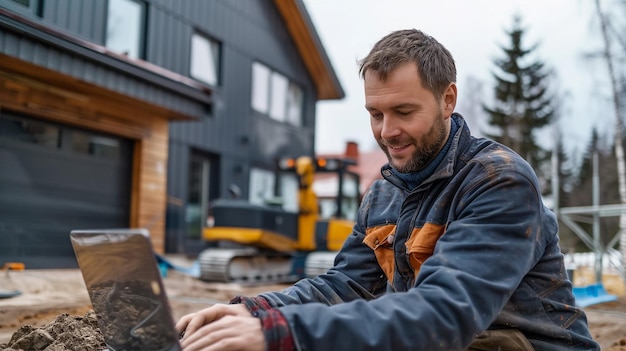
(139, 113)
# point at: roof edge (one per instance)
(310, 48)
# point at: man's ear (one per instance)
(449, 100)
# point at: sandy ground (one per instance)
(48, 293)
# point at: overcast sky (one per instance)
(473, 32)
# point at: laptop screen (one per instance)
(125, 288)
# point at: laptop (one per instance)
(126, 290)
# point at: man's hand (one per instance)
(221, 327)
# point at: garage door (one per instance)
(53, 179)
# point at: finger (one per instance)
(237, 343)
(205, 316)
(194, 324)
(181, 324)
(228, 333)
(209, 333)
(221, 339)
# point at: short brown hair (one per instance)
(434, 62)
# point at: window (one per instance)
(278, 95)
(28, 131)
(263, 189)
(198, 196)
(274, 95)
(95, 145)
(294, 105)
(30, 6)
(289, 187)
(124, 27)
(260, 87)
(350, 197)
(328, 190)
(65, 139)
(23, 2)
(261, 186)
(205, 59)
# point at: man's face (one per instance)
(409, 123)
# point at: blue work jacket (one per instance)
(471, 248)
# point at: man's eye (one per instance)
(403, 113)
(376, 115)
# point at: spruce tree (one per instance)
(566, 175)
(585, 172)
(567, 182)
(522, 104)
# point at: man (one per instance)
(453, 250)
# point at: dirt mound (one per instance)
(65, 333)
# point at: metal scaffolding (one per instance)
(571, 216)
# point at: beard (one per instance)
(426, 149)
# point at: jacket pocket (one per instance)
(421, 244)
(376, 238)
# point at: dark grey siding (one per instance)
(81, 18)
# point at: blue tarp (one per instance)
(591, 295)
(7, 294)
(165, 265)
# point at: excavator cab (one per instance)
(328, 199)
(271, 242)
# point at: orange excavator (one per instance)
(261, 243)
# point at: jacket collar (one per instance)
(446, 167)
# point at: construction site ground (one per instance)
(49, 293)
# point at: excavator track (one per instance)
(245, 266)
(317, 263)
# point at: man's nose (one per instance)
(390, 128)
